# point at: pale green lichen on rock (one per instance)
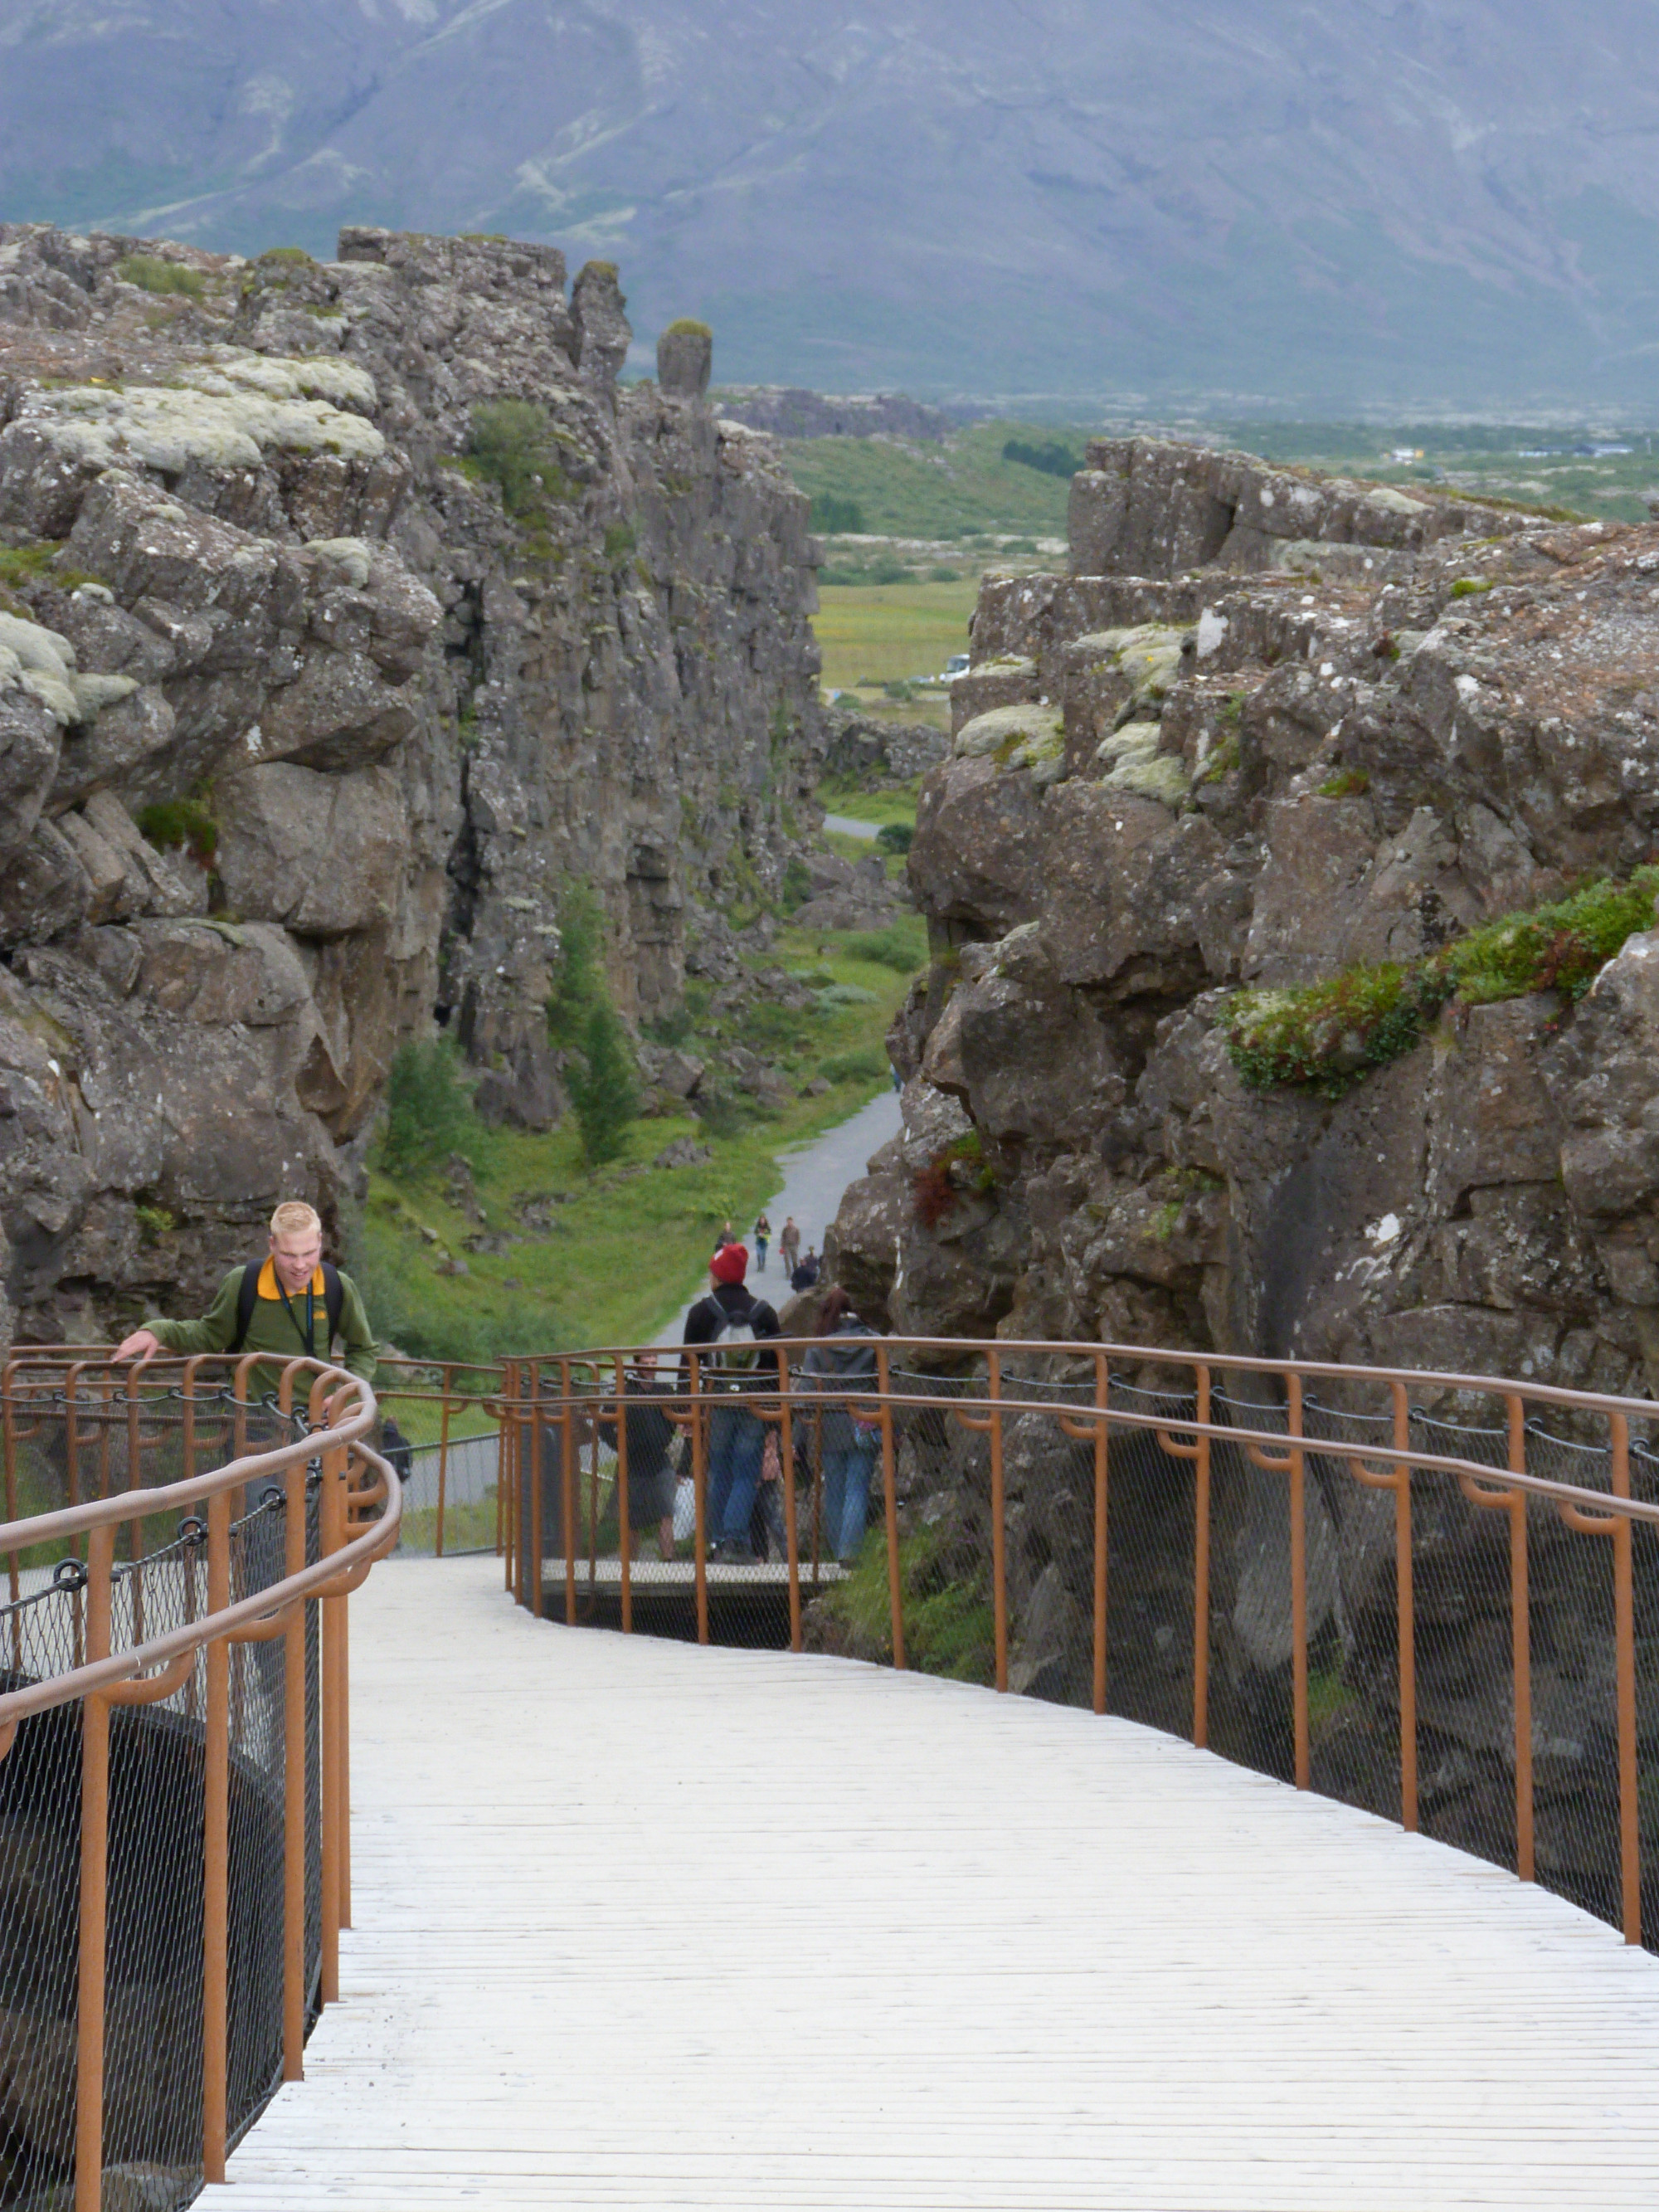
(1015, 737)
(227, 411)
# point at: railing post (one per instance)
(889, 1491)
(331, 1518)
(1520, 1641)
(537, 1533)
(507, 1486)
(8, 1444)
(1102, 1449)
(624, 1517)
(998, 1520)
(95, 1890)
(1298, 1578)
(787, 1468)
(700, 1485)
(1624, 1610)
(1202, 1568)
(293, 1786)
(1406, 1613)
(445, 1374)
(568, 1491)
(216, 1852)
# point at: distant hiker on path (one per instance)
(762, 1230)
(732, 1323)
(789, 1246)
(292, 1304)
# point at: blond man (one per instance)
(292, 1304)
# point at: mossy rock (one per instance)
(1014, 737)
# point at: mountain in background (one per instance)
(1372, 202)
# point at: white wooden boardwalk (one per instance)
(642, 1925)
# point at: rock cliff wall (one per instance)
(1402, 721)
(1271, 731)
(373, 703)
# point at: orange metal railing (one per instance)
(94, 1421)
(1465, 1466)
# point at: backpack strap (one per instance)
(333, 1303)
(246, 1294)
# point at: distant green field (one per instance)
(890, 632)
(954, 489)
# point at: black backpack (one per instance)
(247, 1298)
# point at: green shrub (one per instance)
(837, 517)
(151, 275)
(687, 326)
(155, 1222)
(511, 445)
(582, 1020)
(895, 837)
(903, 945)
(949, 1627)
(1348, 783)
(429, 1110)
(603, 1088)
(888, 571)
(619, 541)
(943, 575)
(1466, 587)
(1326, 1035)
(853, 1066)
(797, 886)
(26, 564)
(168, 823)
(1052, 460)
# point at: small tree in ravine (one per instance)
(583, 1023)
(604, 1091)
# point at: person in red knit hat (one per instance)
(734, 1325)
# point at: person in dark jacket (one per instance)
(651, 1438)
(841, 1363)
(734, 1325)
(806, 1275)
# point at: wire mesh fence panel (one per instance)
(153, 2037)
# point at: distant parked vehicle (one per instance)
(956, 665)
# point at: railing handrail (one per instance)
(963, 1347)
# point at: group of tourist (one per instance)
(731, 1327)
(291, 1302)
(800, 1270)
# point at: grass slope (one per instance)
(622, 1248)
(952, 488)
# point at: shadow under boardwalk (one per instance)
(747, 1606)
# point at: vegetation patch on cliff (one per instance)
(1326, 1037)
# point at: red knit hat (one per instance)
(730, 1264)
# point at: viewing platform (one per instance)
(639, 1925)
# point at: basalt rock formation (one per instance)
(308, 713)
(1271, 729)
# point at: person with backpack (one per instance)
(841, 1362)
(291, 1304)
(732, 1324)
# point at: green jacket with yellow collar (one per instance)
(276, 1325)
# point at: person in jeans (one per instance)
(841, 1363)
(734, 1325)
(763, 1232)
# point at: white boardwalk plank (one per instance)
(640, 1925)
